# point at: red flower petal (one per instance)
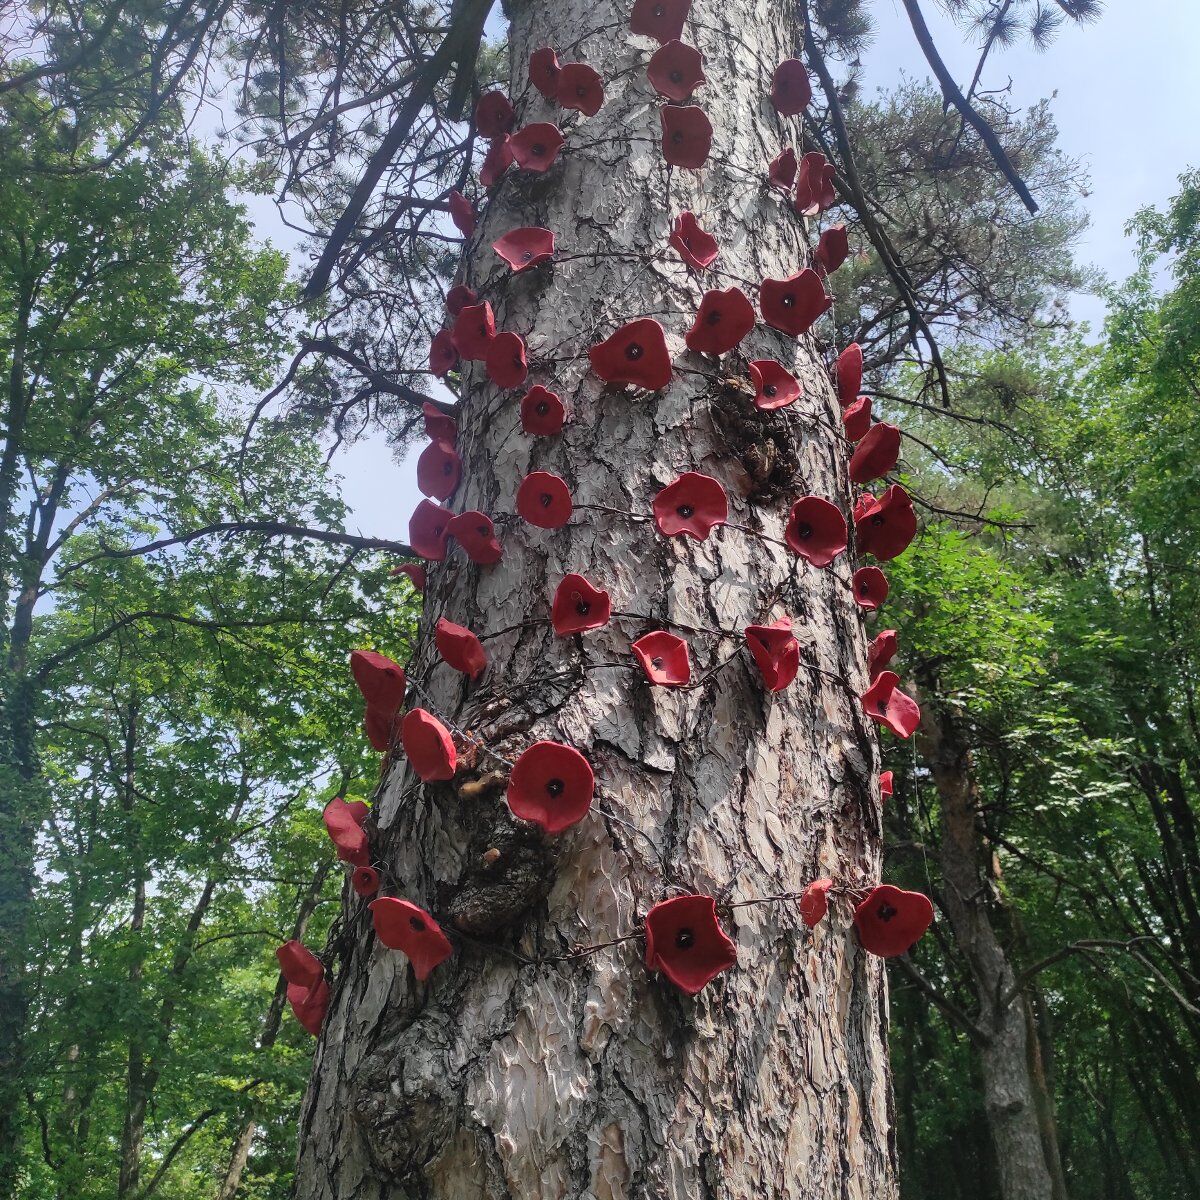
(474, 329)
(476, 534)
(536, 146)
(380, 680)
(782, 171)
(685, 941)
(506, 364)
(856, 418)
(697, 248)
(543, 72)
(427, 530)
(881, 651)
(848, 373)
(692, 504)
(814, 903)
(380, 727)
(887, 705)
(581, 88)
(637, 353)
(365, 881)
(870, 588)
(402, 925)
(495, 162)
(309, 1004)
(462, 213)
(552, 786)
(460, 648)
(438, 470)
(791, 93)
(659, 19)
(876, 454)
(494, 115)
(676, 70)
(885, 526)
(443, 354)
(833, 248)
(686, 135)
(542, 412)
(664, 658)
(578, 606)
(775, 649)
(439, 424)
(415, 573)
(343, 822)
(891, 921)
(816, 530)
(525, 247)
(793, 304)
(885, 784)
(298, 964)
(723, 319)
(429, 746)
(458, 297)
(774, 387)
(814, 185)
(544, 500)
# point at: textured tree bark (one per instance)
(588, 1078)
(1020, 1115)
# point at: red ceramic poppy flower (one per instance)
(814, 185)
(692, 504)
(494, 115)
(443, 354)
(380, 680)
(462, 213)
(887, 705)
(551, 785)
(782, 171)
(506, 364)
(460, 648)
(343, 822)
(474, 329)
(380, 727)
(543, 71)
(722, 320)
(664, 658)
(637, 353)
(542, 412)
(848, 373)
(438, 470)
(458, 297)
(816, 530)
(476, 534)
(495, 162)
(814, 903)
(881, 651)
(774, 386)
(427, 530)
(659, 19)
(581, 88)
(857, 418)
(775, 649)
(415, 573)
(833, 248)
(870, 588)
(536, 146)
(886, 525)
(676, 70)
(525, 247)
(365, 881)
(686, 135)
(429, 746)
(891, 921)
(886, 786)
(298, 964)
(544, 500)
(876, 454)
(402, 925)
(578, 606)
(685, 941)
(309, 1004)
(439, 424)
(697, 248)
(791, 93)
(793, 304)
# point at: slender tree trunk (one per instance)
(590, 1078)
(1019, 1115)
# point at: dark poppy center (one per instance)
(789, 301)
(864, 588)
(546, 499)
(482, 530)
(555, 788)
(685, 511)
(656, 663)
(526, 255)
(659, 10)
(418, 924)
(770, 390)
(542, 409)
(685, 939)
(539, 149)
(677, 136)
(676, 76)
(714, 317)
(447, 467)
(877, 521)
(581, 91)
(886, 912)
(804, 530)
(633, 351)
(583, 608)
(882, 706)
(687, 243)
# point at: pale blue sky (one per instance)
(1126, 96)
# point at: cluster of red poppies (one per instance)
(552, 785)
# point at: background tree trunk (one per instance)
(587, 1078)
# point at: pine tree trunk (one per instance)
(589, 1078)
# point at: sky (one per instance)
(1126, 96)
